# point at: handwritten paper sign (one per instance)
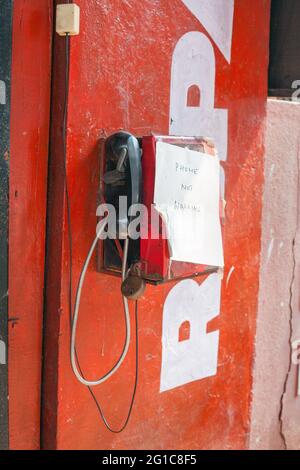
(187, 195)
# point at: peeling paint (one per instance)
(231, 271)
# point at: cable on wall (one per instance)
(75, 360)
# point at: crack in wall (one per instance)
(291, 330)
(281, 411)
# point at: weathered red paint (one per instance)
(120, 78)
(30, 116)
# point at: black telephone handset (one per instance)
(123, 177)
(123, 174)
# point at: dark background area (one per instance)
(5, 76)
(284, 47)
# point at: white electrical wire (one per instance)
(89, 383)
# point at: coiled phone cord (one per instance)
(101, 380)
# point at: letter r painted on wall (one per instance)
(196, 357)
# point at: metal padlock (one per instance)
(133, 287)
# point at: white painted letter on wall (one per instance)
(196, 357)
(217, 18)
(194, 64)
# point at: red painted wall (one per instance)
(120, 78)
(30, 115)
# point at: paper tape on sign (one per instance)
(187, 195)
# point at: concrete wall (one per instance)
(275, 406)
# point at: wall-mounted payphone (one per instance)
(128, 169)
(131, 237)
